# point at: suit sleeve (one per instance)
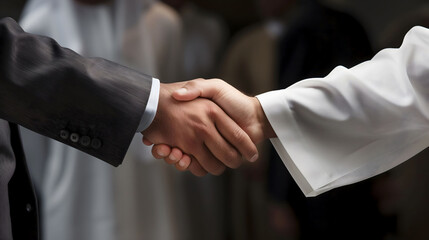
(354, 123)
(88, 103)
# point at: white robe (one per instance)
(354, 123)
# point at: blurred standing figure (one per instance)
(204, 37)
(82, 198)
(203, 40)
(250, 64)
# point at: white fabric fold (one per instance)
(354, 123)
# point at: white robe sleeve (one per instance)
(354, 123)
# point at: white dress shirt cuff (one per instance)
(151, 107)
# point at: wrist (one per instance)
(158, 115)
(264, 126)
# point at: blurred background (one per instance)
(257, 46)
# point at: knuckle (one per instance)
(190, 84)
(232, 159)
(202, 128)
(239, 135)
(218, 81)
(212, 111)
(194, 83)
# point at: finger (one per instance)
(183, 163)
(222, 150)
(147, 142)
(196, 168)
(236, 136)
(174, 156)
(160, 151)
(209, 162)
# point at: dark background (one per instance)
(378, 17)
(375, 15)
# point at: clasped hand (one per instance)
(205, 126)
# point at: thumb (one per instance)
(199, 88)
(186, 93)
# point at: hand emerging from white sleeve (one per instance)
(198, 135)
(246, 114)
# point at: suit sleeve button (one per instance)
(28, 207)
(96, 143)
(85, 141)
(64, 134)
(74, 137)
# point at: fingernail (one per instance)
(181, 91)
(254, 158)
(172, 158)
(160, 153)
(182, 164)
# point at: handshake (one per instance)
(205, 126)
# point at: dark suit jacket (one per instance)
(88, 103)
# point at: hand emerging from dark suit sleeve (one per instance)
(96, 105)
(201, 129)
(244, 110)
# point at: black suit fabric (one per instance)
(88, 103)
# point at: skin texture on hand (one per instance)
(244, 110)
(202, 130)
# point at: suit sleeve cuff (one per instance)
(152, 105)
